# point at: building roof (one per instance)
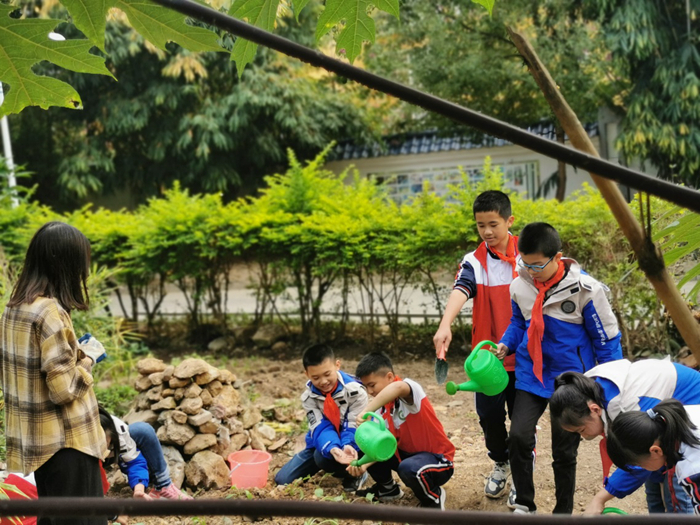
(431, 142)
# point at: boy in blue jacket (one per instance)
(562, 321)
(332, 401)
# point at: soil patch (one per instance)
(271, 379)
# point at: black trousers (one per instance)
(424, 473)
(70, 473)
(492, 418)
(521, 441)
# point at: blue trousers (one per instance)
(307, 463)
(423, 473)
(149, 445)
(659, 499)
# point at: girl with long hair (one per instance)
(663, 437)
(587, 403)
(52, 425)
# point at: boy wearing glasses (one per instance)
(485, 276)
(561, 322)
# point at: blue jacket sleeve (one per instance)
(136, 471)
(601, 326)
(622, 483)
(465, 281)
(515, 332)
(324, 437)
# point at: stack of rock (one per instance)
(199, 416)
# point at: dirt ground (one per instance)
(271, 380)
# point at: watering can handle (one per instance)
(477, 348)
(376, 416)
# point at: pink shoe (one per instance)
(169, 492)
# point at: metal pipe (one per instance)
(83, 507)
(682, 196)
(7, 149)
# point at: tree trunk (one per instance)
(561, 166)
(649, 256)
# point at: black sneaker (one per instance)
(440, 504)
(353, 484)
(382, 494)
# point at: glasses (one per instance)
(535, 267)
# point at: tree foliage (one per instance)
(24, 40)
(184, 116)
(656, 42)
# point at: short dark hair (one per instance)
(110, 430)
(539, 237)
(493, 200)
(373, 363)
(631, 434)
(572, 392)
(316, 354)
(57, 265)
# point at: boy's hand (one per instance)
(350, 451)
(360, 418)
(122, 520)
(341, 457)
(501, 351)
(357, 471)
(140, 492)
(442, 338)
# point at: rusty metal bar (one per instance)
(77, 507)
(680, 195)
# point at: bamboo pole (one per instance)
(649, 256)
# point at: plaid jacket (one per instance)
(46, 381)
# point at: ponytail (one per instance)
(572, 393)
(632, 434)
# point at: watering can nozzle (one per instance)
(451, 388)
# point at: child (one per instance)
(52, 424)
(663, 437)
(332, 401)
(561, 322)
(485, 276)
(586, 404)
(140, 457)
(424, 455)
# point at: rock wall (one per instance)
(200, 418)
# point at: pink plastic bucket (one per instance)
(249, 468)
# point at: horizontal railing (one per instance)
(91, 507)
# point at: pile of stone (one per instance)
(200, 418)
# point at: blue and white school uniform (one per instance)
(639, 386)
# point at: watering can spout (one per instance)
(469, 386)
(359, 462)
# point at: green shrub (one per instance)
(116, 399)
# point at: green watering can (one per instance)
(614, 510)
(485, 371)
(373, 438)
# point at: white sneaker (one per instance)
(497, 481)
(522, 509)
(511, 497)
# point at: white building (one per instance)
(409, 160)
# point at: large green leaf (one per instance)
(359, 26)
(488, 4)
(160, 25)
(260, 13)
(90, 16)
(24, 43)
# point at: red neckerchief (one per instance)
(536, 330)
(331, 409)
(510, 256)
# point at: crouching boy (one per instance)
(424, 455)
(332, 401)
